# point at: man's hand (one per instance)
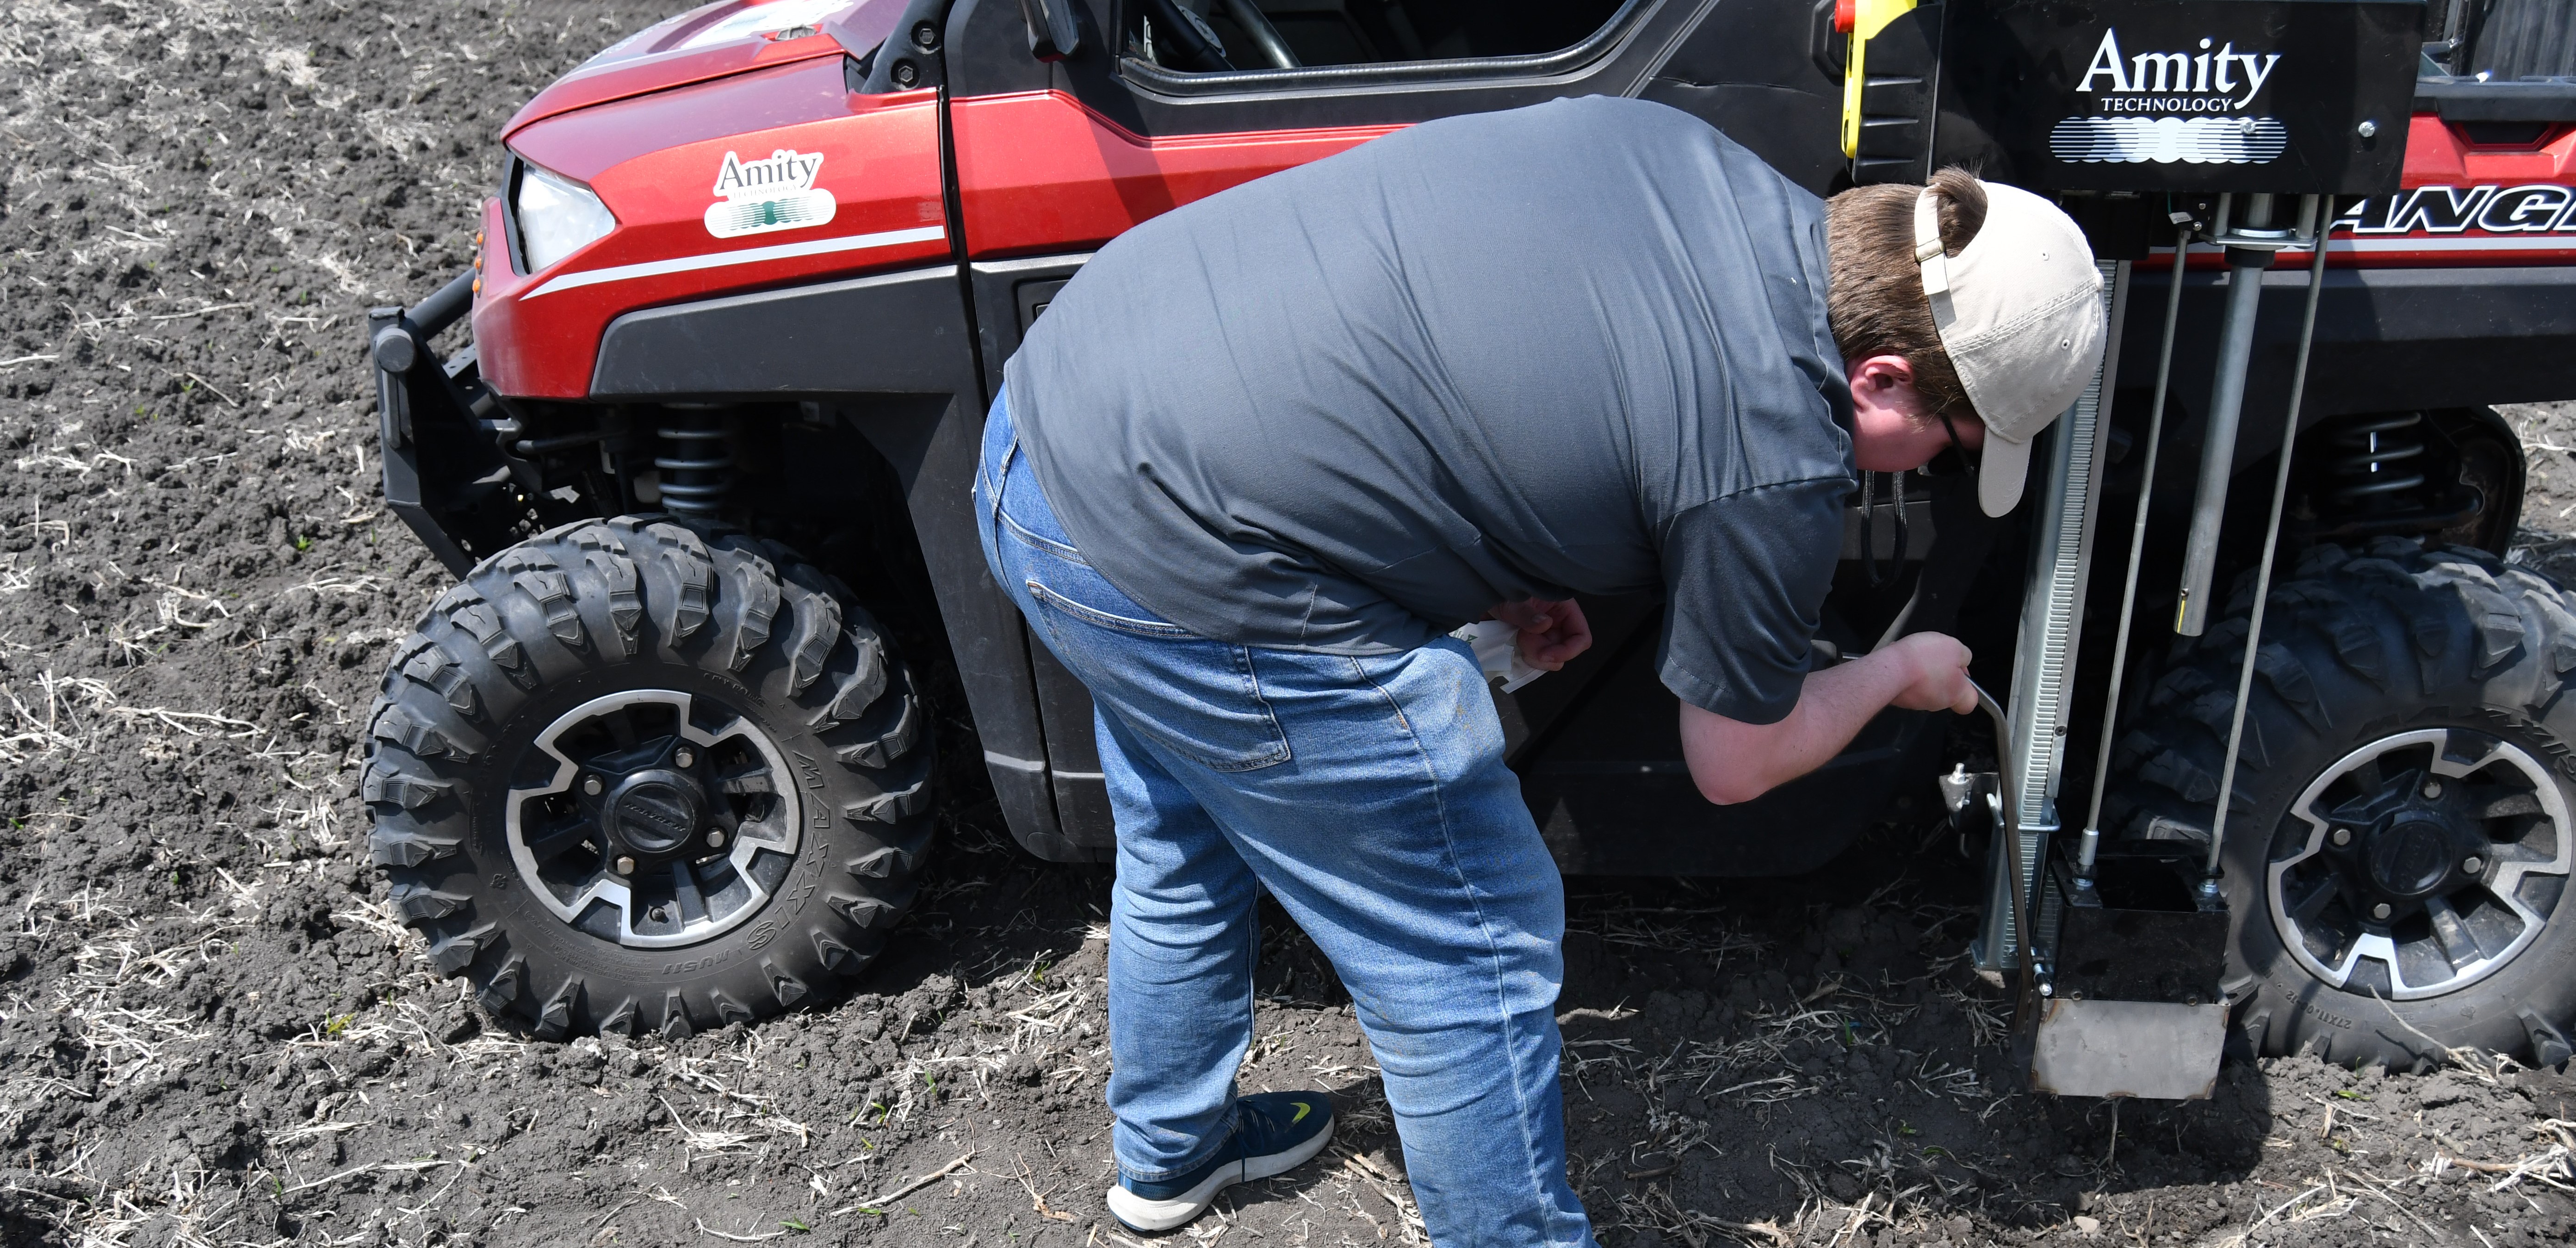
(1939, 674)
(1551, 633)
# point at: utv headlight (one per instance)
(557, 217)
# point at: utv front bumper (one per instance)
(441, 432)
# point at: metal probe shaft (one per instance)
(2137, 545)
(2271, 541)
(2245, 268)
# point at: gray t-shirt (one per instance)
(1577, 348)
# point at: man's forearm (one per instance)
(1737, 762)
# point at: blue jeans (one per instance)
(1368, 794)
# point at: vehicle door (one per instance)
(1054, 158)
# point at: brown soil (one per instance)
(211, 1033)
(2549, 500)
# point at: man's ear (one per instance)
(1876, 376)
(1884, 384)
(1890, 430)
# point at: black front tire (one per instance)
(2377, 665)
(698, 641)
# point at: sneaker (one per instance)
(1274, 1133)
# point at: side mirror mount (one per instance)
(1054, 32)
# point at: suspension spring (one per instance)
(696, 463)
(2374, 461)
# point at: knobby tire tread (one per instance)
(581, 602)
(2358, 644)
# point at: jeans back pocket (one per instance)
(1198, 698)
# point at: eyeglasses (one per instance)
(1953, 431)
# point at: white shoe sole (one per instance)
(1140, 1214)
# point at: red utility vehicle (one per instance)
(664, 758)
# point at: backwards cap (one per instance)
(2020, 315)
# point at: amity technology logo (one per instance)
(2176, 82)
(2168, 107)
(759, 196)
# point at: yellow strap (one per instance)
(1868, 18)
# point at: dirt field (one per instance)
(211, 1033)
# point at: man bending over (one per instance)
(1267, 450)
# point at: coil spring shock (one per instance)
(696, 463)
(2371, 462)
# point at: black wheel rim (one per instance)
(652, 818)
(2420, 863)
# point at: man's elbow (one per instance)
(1730, 790)
(1730, 761)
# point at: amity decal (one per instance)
(2157, 107)
(759, 196)
(756, 197)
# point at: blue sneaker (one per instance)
(1274, 1133)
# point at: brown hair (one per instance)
(1874, 298)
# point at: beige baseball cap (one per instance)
(2020, 314)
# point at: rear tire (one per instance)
(2408, 723)
(648, 774)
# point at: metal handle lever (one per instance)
(2011, 834)
(2004, 761)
